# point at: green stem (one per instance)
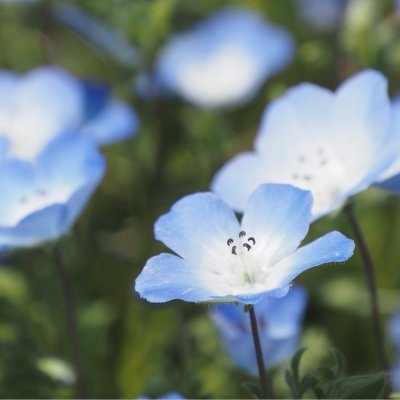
(266, 391)
(371, 282)
(72, 325)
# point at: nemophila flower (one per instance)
(225, 59)
(333, 144)
(279, 324)
(394, 332)
(220, 259)
(48, 101)
(40, 201)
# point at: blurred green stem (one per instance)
(71, 320)
(371, 282)
(266, 390)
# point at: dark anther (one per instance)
(307, 177)
(229, 242)
(251, 239)
(248, 247)
(242, 233)
(234, 250)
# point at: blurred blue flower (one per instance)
(390, 178)
(279, 324)
(225, 59)
(322, 15)
(40, 201)
(167, 396)
(220, 259)
(334, 144)
(394, 332)
(48, 101)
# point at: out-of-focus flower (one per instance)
(106, 39)
(225, 59)
(167, 396)
(390, 178)
(48, 101)
(394, 332)
(40, 201)
(334, 144)
(279, 324)
(220, 259)
(323, 15)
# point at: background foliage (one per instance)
(132, 348)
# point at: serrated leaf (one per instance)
(253, 389)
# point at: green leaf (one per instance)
(363, 386)
(340, 362)
(253, 389)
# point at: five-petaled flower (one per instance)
(334, 144)
(225, 59)
(279, 324)
(41, 200)
(48, 101)
(220, 259)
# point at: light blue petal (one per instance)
(332, 247)
(7, 85)
(167, 277)
(238, 178)
(96, 98)
(52, 93)
(17, 179)
(71, 160)
(198, 227)
(260, 296)
(303, 116)
(264, 47)
(362, 112)
(116, 122)
(278, 217)
(39, 227)
(322, 15)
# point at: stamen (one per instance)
(251, 239)
(234, 250)
(242, 233)
(248, 247)
(229, 242)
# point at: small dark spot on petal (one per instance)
(242, 233)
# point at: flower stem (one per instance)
(266, 392)
(371, 282)
(71, 323)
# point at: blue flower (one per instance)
(220, 259)
(166, 396)
(225, 59)
(333, 144)
(394, 332)
(279, 324)
(48, 101)
(40, 201)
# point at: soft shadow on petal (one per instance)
(278, 217)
